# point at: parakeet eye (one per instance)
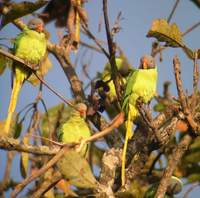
(36, 24)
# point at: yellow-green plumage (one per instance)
(30, 46)
(106, 76)
(74, 129)
(141, 83)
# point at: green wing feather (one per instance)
(31, 47)
(106, 76)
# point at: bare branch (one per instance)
(110, 161)
(97, 49)
(172, 163)
(41, 171)
(182, 97)
(112, 51)
(194, 185)
(195, 74)
(95, 40)
(47, 184)
(173, 11)
(190, 29)
(11, 144)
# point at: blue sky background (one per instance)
(138, 16)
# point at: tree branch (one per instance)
(41, 171)
(184, 104)
(11, 144)
(112, 50)
(173, 10)
(172, 163)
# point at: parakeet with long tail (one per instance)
(30, 45)
(75, 127)
(141, 83)
(124, 69)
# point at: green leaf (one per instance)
(24, 159)
(159, 107)
(193, 156)
(194, 177)
(170, 34)
(163, 32)
(75, 168)
(4, 62)
(16, 127)
(196, 2)
(18, 10)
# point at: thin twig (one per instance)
(172, 163)
(92, 47)
(112, 51)
(190, 29)
(154, 162)
(89, 33)
(116, 122)
(182, 97)
(173, 11)
(195, 74)
(47, 184)
(6, 178)
(190, 190)
(34, 175)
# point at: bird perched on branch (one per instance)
(140, 84)
(75, 127)
(30, 45)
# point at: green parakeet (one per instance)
(123, 68)
(30, 46)
(75, 127)
(141, 83)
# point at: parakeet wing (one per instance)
(141, 83)
(74, 129)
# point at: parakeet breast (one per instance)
(141, 83)
(30, 46)
(73, 130)
(144, 86)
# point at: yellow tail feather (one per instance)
(18, 81)
(128, 136)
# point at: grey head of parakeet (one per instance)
(82, 109)
(147, 62)
(36, 24)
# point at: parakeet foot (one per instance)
(81, 145)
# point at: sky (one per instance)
(137, 19)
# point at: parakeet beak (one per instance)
(144, 64)
(83, 114)
(39, 27)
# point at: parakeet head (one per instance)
(147, 62)
(82, 109)
(36, 24)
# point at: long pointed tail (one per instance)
(129, 134)
(18, 81)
